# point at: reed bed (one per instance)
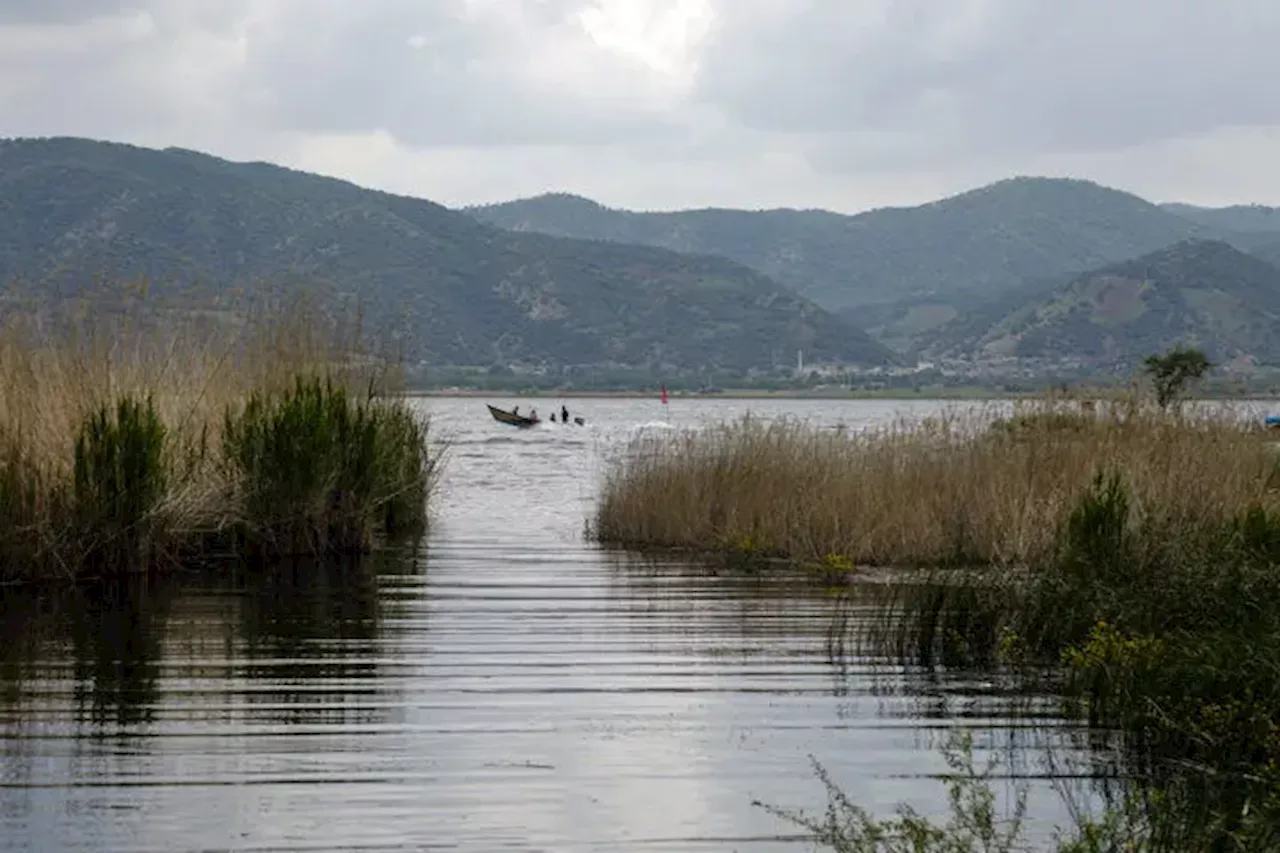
(132, 440)
(1167, 631)
(983, 488)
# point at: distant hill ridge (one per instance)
(562, 280)
(457, 291)
(1203, 293)
(1238, 218)
(982, 242)
(906, 274)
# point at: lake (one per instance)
(503, 686)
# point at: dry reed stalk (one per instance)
(52, 377)
(955, 489)
(58, 366)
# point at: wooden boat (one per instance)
(511, 417)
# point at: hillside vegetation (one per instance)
(449, 289)
(980, 243)
(1243, 219)
(927, 280)
(1198, 292)
(1024, 268)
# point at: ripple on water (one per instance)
(506, 687)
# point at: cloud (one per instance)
(959, 79)
(664, 103)
(453, 72)
(123, 71)
(58, 11)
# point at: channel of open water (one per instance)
(504, 686)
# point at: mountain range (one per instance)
(456, 291)
(980, 243)
(1046, 270)
(902, 274)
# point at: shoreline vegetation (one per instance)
(136, 441)
(1131, 553)
(977, 488)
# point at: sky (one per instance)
(669, 104)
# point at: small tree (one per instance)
(1172, 372)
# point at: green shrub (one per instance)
(1171, 819)
(322, 471)
(119, 479)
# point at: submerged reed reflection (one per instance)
(312, 634)
(298, 643)
(117, 634)
(102, 642)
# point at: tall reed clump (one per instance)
(133, 437)
(119, 476)
(319, 470)
(977, 489)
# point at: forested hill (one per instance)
(458, 291)
(978, 244)
(1203, 293)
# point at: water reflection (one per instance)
(299, 642)
(312, 640)
(103, 641)
(785, 624)
(523, 691)
(130, 702)
(116, 634)
(522, 704)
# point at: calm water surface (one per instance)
(505, 686)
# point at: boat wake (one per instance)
(653, 425)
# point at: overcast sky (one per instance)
(652, 104)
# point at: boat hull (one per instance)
(505, 417)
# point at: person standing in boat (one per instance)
(533, 414)
(515, 410)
